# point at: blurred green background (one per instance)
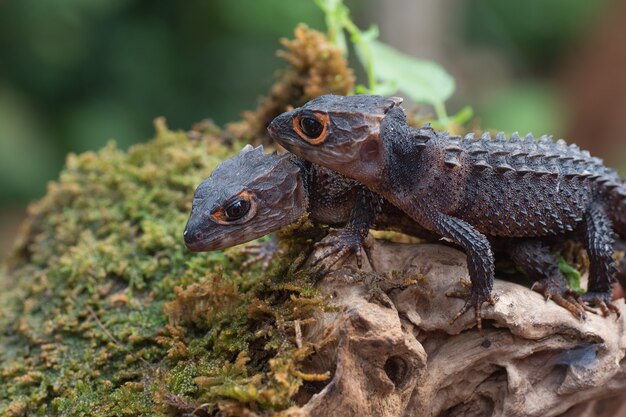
(75, 73)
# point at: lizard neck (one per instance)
(414, 168)
(404, 147)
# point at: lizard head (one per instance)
(246, 197)
(338, 132)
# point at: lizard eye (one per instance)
(311, 127)
(237, 209)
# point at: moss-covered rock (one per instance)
(104, 312)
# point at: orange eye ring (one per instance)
(221, 216)
(322, 119)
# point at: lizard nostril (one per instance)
(189, 236)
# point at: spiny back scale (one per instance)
(522, 187)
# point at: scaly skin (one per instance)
(276, 190)
(467, 190)
(285, 187)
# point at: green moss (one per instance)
(105, 313)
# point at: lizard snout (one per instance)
(191, 237)
(281, 125)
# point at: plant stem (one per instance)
(442, 114)
(364, 51)
(333, 16)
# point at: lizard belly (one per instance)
(514, 205)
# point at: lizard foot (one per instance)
(601, 300)
(262, 253)
(563, 296)
(473, 300)
(339, 243)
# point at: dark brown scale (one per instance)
(538, 188)
(510, 172)
(334, 196)
(285, 187)
(470, 189)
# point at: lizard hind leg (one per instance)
(536, 260)
(598, 237)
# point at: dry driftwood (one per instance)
(394, 353)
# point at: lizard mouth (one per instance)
(206, 242)
(202, 238)
(197, 241)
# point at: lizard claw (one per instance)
(339, 243)
(473, 300)
(601, 300)
(565, 297)
(263, 253)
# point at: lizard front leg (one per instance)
(480, 263)
(599, 242)
(349, 239)
(262, 253)
(536, 260)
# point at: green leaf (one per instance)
(423, 81)
(385, 88)
(571, 274)
(463, 116)
(361, 89)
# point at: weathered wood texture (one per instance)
(392, 351)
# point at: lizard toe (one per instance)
(263, 253)
(562, 296)
(601, 300)
(475, 300)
